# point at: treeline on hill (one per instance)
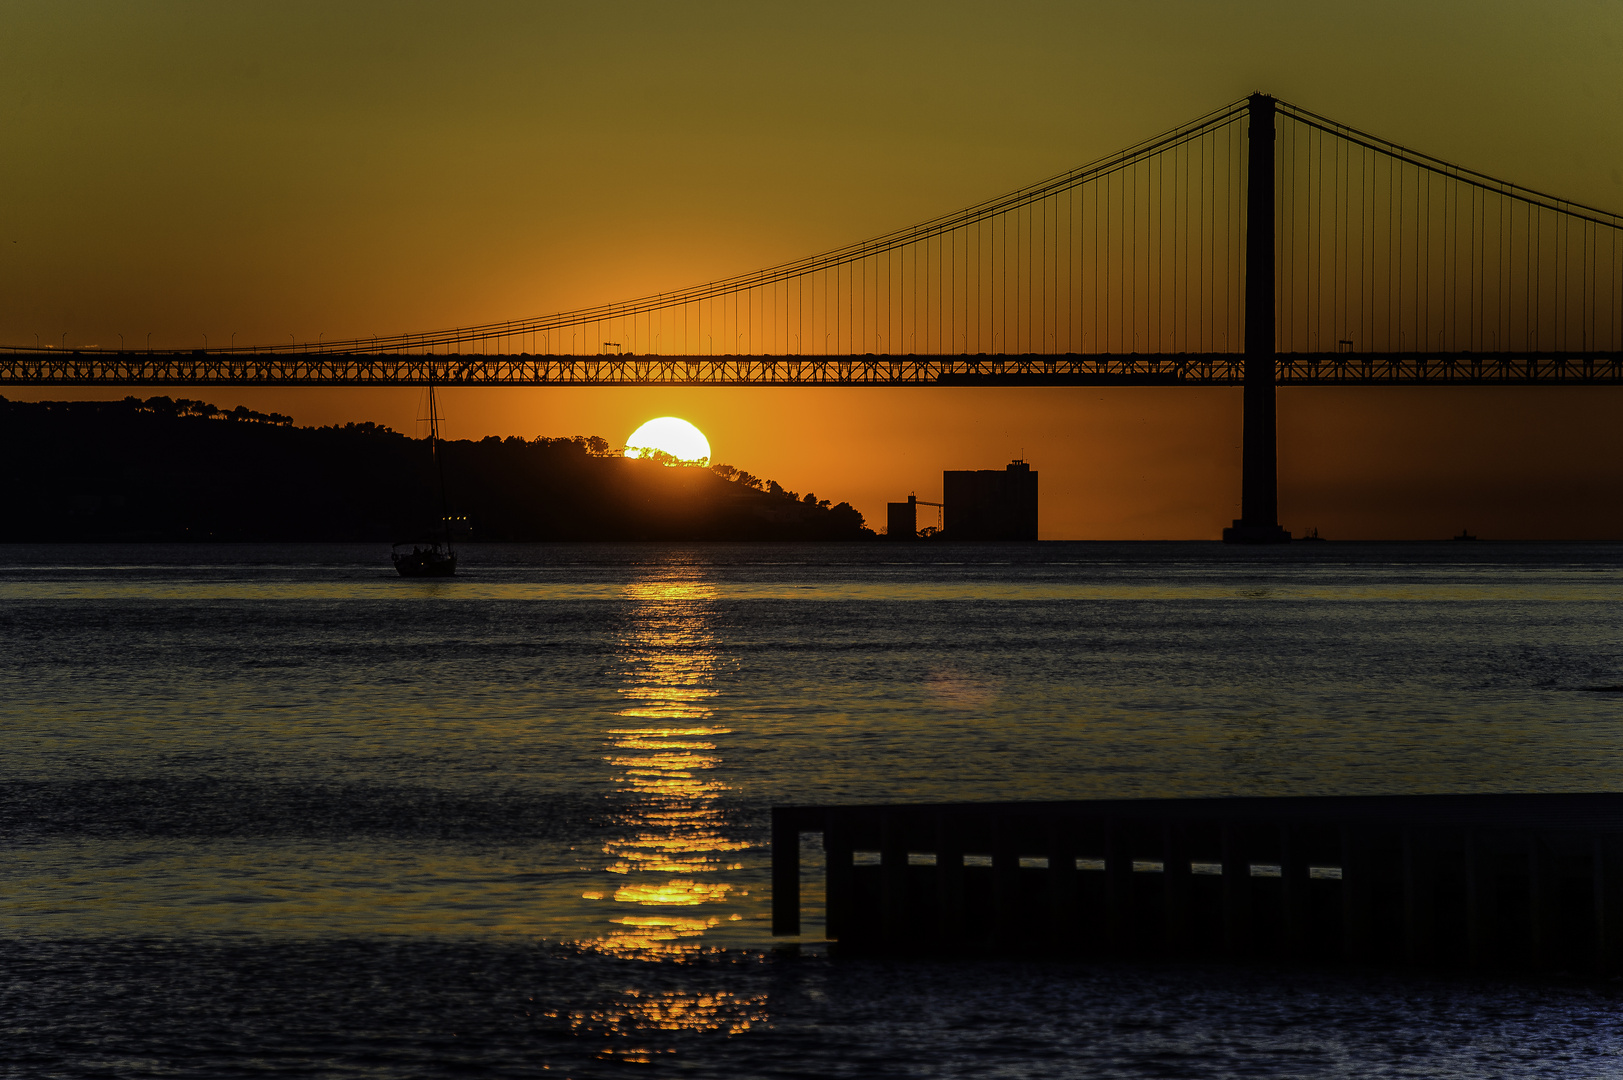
(162, 469)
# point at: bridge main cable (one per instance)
(833, 259)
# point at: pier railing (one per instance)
(1524, 881)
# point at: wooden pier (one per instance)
(1531, 882)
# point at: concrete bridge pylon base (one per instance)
(1242, 533)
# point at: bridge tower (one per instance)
(1258, 522)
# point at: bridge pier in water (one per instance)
(1517, 882)
(1258, 522)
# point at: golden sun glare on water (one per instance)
(673, 436)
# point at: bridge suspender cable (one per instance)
(1131, 267)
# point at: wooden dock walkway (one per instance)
(1522, 881)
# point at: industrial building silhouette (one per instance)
(977, 504)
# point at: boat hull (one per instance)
(425, 564)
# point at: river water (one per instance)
(275, 810)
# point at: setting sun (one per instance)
(673, 436)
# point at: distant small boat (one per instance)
(424, 559)
(1312, 534)
(429, 558)
(1465, 534)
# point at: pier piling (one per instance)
(1477, 881)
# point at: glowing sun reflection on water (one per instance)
(632, 1023)
(674, 846)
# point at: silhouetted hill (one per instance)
(183, 470)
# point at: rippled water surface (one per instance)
(273, 809)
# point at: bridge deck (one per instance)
(90, 367)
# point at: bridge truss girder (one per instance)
(131, 369)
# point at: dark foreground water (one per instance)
(275, 810)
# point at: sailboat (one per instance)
(433, 557)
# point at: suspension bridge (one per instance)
(1261, 245)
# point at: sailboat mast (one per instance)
(439, 461)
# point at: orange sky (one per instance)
(283, 169)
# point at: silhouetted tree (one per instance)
(67, 472)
